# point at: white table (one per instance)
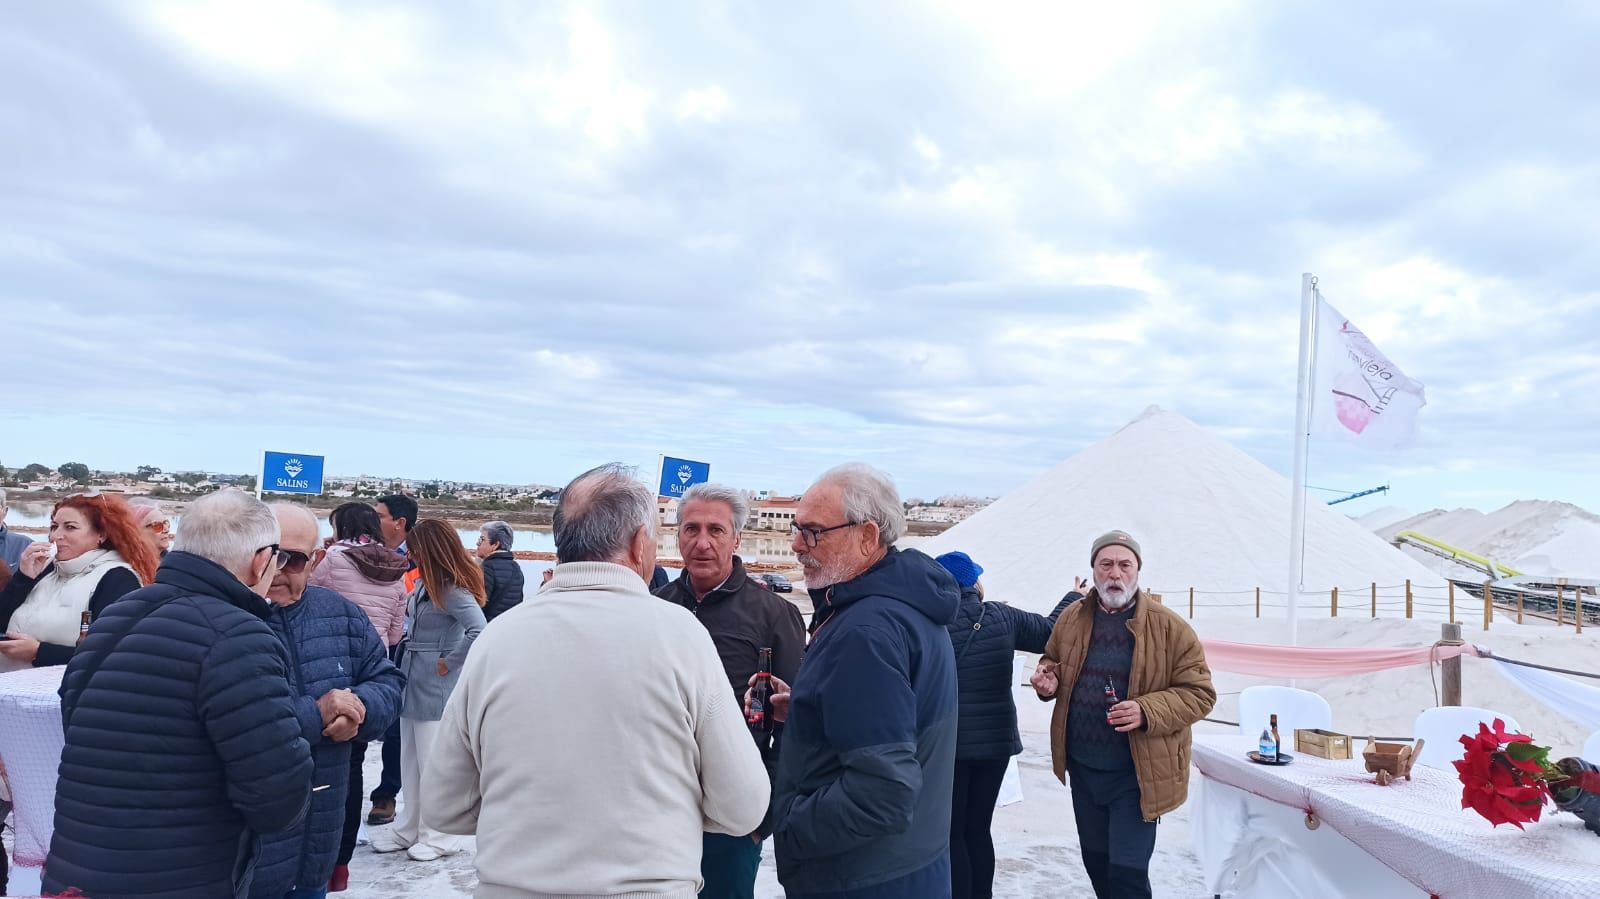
(1411, 838)
(30, 749)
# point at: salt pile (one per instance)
(1533, 536)
(1207, 515)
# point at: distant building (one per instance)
(775, 513)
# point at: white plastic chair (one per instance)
(1294, 707)
(1591, 748)
(1442, 729)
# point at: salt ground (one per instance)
(1036, 841)
(1533, 536)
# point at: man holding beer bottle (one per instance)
(1128, 757)
(747, 623)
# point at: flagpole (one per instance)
(1302, 425)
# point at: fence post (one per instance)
(1374, 599)
(1577, 608)
(1258, 602)
(1335, 602)
(1450, 669)
(1519, 606)
(1452, 600)
(1488, 603)
(1408, 597)
(1191, 603)
(1560, 603)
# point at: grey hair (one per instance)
(228, 527)
(869, 495)
(3, 498)
(719, 493)
(499, 533)
(297, 509)
(599, 512)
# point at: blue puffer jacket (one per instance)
(862, 802)
(983, 669)
(182, 743)
(332, 646)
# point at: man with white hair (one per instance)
(592, 737)
(1129, 761)
(743, 618)
(862, 802)
(183, 746)
(11, 543)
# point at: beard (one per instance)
(819, 575)
(1116, 596)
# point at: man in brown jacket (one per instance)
(1128, 760)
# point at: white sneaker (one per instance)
(427, 852)
(388, 842)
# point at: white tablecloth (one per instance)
(30, 749)
(1410, 838)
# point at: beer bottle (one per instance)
(1277, 754)
(84, 621)
(760, 715)
(1111, 698)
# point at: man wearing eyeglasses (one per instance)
(183, 740)
(345, 687)
(861, 808)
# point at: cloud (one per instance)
(962, 245)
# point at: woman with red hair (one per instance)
(96, 555)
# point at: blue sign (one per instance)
(678, 475)
(291, 473)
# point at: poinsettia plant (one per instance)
(1507, 779)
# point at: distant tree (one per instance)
(190, 477)
(33, 472)
(146, 472)
(248, 482)
(2, 472)
(77, 471)
(430, 490)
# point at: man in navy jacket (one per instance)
(346, 688)
(183, 746)
(861, 809)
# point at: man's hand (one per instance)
(342, 730)
(341, 703)
(1045, 680)
(1079, 585)
(19, 647)
(777, 706)
(1125, 716)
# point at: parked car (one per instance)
(777, 583)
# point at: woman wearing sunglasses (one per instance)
(154, 523)
(95, 556)
(446, 616)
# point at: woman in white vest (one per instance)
(95, 556)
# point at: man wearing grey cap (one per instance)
(1127, 754)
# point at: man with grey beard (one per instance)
(1128, 756)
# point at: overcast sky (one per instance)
(508, 241)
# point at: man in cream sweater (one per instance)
(592, 737)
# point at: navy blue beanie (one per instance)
(960, 565)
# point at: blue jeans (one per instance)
(306, 894)
(728, 865)
(1114, 838)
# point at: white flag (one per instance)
(1359, 394)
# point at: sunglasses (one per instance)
(293, 561)
(160, 527)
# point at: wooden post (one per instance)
(1519, 606)
(1577, 608)
(1258, 602)
(1450, 669)
(1452, 617)
(1560, 602)
(1191, 603)
(1374, 599)
(1408, 597)
(1335, 603)
(1488, 603)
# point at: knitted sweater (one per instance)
(594, 716)
(1092, 742)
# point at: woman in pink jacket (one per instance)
(361, 569)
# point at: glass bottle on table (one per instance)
(1268, 750)
(1277, 742)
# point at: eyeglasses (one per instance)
(160, 527)
(813, 535)
(293, 560)
(277, 557)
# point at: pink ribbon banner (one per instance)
(1321, 661)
